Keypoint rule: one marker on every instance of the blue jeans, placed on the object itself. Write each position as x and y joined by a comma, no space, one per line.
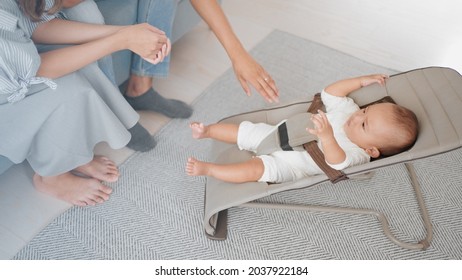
158,13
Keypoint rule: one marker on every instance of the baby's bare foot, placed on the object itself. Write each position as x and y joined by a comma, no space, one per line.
73,189
198,130
196,167
100,168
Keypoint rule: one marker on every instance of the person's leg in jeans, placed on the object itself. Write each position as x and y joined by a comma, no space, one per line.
138,89
158,13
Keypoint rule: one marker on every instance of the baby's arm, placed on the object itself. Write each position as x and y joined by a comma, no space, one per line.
333,153
344,87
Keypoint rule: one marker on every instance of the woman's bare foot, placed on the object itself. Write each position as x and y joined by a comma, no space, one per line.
196,167
100,168
73,189
199,130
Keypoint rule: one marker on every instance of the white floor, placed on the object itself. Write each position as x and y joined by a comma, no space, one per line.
398,34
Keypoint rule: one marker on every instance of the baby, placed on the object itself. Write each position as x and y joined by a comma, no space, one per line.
346,134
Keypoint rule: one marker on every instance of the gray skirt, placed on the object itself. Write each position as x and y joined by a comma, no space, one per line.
57,130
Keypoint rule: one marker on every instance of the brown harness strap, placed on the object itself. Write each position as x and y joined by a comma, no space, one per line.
318,157
316,104
316,154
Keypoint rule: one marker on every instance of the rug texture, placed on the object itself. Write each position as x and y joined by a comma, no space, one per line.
156,210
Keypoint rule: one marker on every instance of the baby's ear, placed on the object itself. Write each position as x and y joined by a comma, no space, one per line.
373,152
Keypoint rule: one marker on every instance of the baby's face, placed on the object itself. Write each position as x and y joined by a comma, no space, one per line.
369,127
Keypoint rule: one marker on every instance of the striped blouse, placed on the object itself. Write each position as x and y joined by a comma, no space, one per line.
19,59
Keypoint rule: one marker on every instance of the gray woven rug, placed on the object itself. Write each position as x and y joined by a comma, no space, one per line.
155,211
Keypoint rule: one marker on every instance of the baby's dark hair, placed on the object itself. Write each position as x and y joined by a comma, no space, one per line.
407,129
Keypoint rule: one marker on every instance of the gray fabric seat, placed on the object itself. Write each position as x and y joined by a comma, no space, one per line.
434,94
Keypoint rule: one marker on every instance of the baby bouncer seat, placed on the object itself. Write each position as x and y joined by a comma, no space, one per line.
434,94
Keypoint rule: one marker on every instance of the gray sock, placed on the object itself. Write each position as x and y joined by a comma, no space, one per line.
141,140
153,101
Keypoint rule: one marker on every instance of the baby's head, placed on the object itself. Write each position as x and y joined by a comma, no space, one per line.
382,129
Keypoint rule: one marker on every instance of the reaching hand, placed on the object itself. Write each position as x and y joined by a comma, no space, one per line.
322,128
377,78
248,71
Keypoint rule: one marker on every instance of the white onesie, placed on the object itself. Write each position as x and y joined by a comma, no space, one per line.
284,166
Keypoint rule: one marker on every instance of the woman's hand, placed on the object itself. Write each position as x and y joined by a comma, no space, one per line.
248,71
97,41
165,51
147,41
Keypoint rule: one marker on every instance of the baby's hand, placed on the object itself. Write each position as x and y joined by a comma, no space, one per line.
377,78
322,128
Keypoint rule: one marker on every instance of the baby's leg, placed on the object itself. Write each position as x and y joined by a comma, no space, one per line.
248,171
224,132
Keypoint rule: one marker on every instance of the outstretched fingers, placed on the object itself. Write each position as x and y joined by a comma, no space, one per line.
267,88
